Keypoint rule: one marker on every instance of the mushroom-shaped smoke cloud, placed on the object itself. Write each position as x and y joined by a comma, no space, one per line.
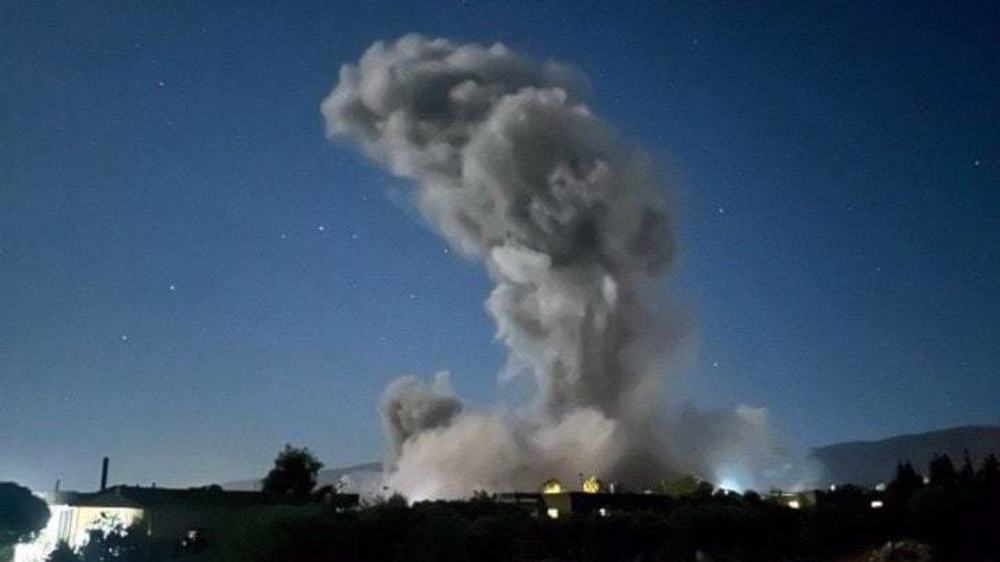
514,170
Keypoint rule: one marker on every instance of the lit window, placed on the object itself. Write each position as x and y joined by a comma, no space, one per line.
552,512
603,512
592,485
877,504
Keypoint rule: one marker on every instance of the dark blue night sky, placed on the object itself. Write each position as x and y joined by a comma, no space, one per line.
192,275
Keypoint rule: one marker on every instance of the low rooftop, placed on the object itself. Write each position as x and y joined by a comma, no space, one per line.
211,496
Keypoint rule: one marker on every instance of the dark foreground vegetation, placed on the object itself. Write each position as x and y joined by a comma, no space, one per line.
952,517
956,515
21,516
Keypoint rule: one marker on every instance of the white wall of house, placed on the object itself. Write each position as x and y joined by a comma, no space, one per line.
72,524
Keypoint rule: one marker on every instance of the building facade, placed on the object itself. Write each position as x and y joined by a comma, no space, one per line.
161,513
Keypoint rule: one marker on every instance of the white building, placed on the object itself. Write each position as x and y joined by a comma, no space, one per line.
72,517
161,513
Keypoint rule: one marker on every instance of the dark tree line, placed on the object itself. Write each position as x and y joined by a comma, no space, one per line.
958,511
953,514
956,514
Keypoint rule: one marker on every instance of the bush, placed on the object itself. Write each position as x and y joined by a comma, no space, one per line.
22,514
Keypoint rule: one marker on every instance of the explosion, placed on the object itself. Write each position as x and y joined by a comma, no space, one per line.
514,170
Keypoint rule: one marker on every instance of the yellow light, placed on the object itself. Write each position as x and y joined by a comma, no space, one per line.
592,485
552,486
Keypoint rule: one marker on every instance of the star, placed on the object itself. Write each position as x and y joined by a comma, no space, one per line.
321,228
413,296
715,364
161,84
354,236
878,269
722,210
976,162
125,337
283,236
173,287
447,250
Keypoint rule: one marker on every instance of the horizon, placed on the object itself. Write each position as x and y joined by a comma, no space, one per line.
228,483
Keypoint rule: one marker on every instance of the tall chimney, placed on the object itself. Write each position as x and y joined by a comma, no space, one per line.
104,474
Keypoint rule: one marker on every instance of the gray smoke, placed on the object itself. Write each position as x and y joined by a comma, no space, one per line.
514,170
410,406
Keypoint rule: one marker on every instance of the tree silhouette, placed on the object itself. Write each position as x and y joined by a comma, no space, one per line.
989,473
294,472
942,471
903,486
114,542
988,479
22,514
966,474
907,480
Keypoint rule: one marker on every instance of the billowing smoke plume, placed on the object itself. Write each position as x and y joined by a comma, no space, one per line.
514,170
411,407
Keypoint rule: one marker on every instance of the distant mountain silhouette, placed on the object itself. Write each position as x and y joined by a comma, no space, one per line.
864,463
869,462
350,475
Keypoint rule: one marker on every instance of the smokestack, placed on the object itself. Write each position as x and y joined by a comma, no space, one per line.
104,474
